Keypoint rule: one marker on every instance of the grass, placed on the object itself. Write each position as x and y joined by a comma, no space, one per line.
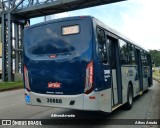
10,85
156,73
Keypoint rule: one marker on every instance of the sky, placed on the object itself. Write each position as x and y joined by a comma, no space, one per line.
138,20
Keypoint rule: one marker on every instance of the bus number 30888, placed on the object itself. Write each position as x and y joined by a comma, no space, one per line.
51,100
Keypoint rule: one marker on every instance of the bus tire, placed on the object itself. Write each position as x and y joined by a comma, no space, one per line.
129,103
146,91
149,81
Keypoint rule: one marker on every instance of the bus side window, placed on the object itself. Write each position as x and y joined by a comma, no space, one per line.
124,52
143,58
144,64
131,49
149,60
102,48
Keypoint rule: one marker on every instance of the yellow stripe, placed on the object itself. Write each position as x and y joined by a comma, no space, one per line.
117,106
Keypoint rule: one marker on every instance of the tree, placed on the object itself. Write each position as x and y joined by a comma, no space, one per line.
155,54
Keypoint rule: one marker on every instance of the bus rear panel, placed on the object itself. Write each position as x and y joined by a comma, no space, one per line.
58,64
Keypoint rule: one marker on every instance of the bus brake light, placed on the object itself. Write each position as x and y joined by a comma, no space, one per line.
89,78
82,16
26,79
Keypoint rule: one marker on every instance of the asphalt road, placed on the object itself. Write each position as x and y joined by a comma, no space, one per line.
147,106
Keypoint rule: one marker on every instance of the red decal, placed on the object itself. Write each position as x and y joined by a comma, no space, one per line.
54,85
92,97
52,56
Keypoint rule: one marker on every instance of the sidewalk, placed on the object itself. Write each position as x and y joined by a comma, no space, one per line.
154,107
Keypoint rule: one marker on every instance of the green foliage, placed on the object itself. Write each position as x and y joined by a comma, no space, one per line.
10,85
156,73
156,56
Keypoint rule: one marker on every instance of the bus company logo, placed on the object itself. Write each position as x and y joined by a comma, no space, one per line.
6,122
54,85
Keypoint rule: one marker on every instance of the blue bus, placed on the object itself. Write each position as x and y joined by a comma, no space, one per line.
80,63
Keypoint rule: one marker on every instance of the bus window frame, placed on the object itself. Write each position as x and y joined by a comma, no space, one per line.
127,61
131,46
97,43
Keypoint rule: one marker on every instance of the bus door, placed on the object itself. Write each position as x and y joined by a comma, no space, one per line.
104,71
115,70
139,64
150,83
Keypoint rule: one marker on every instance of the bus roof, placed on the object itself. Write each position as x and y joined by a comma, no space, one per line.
115,32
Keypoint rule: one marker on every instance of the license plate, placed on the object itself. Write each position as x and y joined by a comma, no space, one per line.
53,100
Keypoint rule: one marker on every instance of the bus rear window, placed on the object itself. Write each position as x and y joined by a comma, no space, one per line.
68,30
59,37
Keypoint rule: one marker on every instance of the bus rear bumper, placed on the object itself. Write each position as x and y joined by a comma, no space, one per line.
63,101
95,101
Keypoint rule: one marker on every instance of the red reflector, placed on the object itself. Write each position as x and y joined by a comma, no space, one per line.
92,97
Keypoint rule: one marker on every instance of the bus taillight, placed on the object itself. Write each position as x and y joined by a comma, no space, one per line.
26,79
89,78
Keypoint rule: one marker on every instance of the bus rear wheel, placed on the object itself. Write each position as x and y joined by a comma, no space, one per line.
146,91
129,103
